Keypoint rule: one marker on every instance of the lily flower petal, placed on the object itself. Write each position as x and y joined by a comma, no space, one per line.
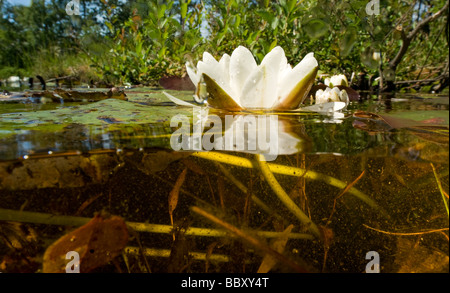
217,71
323,108
336,80
252,95
274,64
209,59
284,65
192,73
296,83
211,69
242,64
218,97
344,97
180,102
260,89
224,81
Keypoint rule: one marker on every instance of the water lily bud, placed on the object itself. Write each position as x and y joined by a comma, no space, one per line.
344,97
340,79
331,95
334,95
320,96
336,80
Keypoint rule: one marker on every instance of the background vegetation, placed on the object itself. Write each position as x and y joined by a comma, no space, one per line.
138,41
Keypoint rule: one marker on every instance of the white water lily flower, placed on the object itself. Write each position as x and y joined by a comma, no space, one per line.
236,82
336,80
331,95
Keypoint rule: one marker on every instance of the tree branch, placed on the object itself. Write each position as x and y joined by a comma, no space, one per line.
407,38
421,24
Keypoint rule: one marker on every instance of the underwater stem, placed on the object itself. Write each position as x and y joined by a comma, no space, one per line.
440,188
49,219
284,197
158,252
249,239
243,188
291,171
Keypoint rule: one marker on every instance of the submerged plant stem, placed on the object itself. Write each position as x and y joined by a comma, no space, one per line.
49,219
243,188
342,193
284,197
406,233
250,240
291,171
158,252
440,188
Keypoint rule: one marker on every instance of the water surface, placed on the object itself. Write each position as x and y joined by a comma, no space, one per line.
375,179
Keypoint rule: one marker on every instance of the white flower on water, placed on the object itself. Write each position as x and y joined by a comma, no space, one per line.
331,95
336,80
237,82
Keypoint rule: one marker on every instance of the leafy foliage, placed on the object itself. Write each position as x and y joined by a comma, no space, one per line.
150,43
140,41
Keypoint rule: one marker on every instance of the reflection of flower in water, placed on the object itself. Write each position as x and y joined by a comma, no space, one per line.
258,134
236,82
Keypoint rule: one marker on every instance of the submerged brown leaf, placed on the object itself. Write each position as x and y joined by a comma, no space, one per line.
97,242
412,257
153,162
179,259
19,246
64,170
173,196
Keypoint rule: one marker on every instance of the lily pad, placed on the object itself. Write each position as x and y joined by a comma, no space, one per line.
143,120
141,108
